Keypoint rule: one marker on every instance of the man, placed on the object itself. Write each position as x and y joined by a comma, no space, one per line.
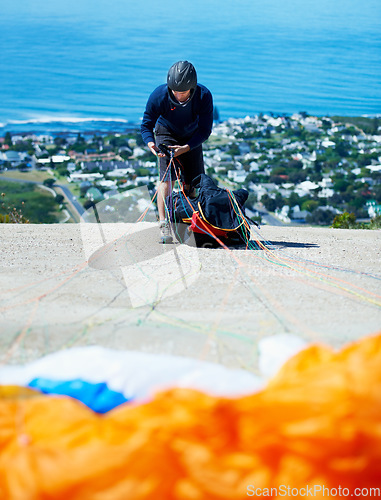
178,114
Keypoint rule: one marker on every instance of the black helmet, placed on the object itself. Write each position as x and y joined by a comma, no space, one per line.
182,76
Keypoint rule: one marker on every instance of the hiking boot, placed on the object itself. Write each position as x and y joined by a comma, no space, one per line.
165,232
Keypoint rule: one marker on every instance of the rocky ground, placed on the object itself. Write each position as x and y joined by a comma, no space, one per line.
114,285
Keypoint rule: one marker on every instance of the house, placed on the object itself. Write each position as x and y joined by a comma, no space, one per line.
283,214
285,192
374,168
326,182
121,172
326,193
12,157
374,208
94,194
356,171
298,215
305,188
244,148
139,152
222,157
326,143
254,166
104,166
53,159
107,184
84,186
237,175
80,176
258,189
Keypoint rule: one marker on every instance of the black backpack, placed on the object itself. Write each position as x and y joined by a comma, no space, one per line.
215,214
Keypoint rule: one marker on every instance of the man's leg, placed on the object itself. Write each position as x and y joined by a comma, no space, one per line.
193,165
162,193
165,228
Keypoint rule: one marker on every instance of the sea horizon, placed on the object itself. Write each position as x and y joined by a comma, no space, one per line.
74,125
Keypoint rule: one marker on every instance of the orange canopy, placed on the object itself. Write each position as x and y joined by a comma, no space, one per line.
318,422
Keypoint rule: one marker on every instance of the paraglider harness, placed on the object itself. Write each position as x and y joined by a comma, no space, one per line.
215,216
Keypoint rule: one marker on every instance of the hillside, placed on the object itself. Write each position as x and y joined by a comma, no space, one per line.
305,168
62,286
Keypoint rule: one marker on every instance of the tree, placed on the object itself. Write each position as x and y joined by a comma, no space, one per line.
59,141
377,193
294,199
310,205
142,172
252,177
297,176
88,204
295,164
251,200
8,139
344,221
342,148
234,150
62,170
326,124
279,171
320,216
49,182
269,203
139,141
279,200
341,185
59,199
80,139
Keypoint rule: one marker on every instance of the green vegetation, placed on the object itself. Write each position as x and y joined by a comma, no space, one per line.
367,125
29,202
375,223
345,221
9,214
49,182
32,175
348,221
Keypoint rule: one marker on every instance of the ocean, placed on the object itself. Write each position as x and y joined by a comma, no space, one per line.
91,64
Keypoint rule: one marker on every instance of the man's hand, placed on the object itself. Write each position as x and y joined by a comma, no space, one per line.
179,150
154,149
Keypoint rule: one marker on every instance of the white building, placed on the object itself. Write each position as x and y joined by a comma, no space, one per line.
53,159
79,176
237,175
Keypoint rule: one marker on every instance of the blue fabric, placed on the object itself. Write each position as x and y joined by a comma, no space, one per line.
193,120
98,397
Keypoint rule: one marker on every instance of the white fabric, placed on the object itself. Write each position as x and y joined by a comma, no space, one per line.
136,375
274,351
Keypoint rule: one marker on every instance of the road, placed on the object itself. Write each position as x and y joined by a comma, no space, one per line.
267,218
73,200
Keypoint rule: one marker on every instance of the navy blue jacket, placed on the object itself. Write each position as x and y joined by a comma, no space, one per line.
192,121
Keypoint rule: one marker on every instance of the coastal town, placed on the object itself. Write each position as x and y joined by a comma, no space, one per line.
298,169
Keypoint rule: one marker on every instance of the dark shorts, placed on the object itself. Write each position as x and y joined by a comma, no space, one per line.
189,165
